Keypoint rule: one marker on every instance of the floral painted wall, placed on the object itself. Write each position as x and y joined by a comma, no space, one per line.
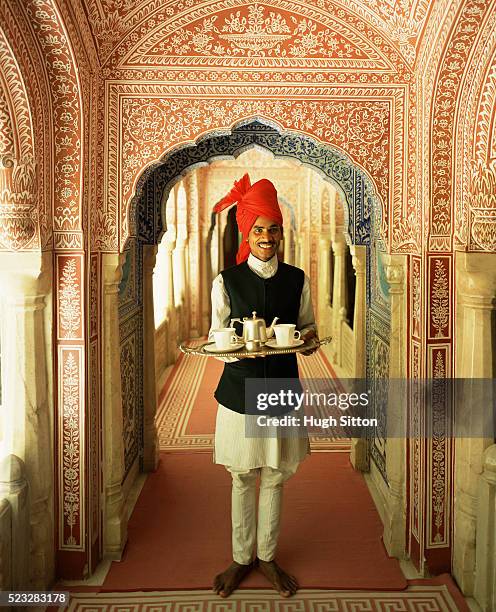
98,95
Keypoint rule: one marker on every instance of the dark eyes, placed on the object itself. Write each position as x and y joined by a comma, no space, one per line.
271,230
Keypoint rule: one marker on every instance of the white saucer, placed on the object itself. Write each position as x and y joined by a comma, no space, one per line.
273,344
211,348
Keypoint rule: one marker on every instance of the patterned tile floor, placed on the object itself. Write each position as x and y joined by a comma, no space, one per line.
415,599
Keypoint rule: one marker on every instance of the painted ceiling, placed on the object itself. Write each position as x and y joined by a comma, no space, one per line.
361,35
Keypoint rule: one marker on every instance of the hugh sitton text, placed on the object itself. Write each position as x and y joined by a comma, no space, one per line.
311,421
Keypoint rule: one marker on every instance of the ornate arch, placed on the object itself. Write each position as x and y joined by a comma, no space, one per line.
435,34
449,82
362,210
60,66
363,131
475,194
19,227
359,193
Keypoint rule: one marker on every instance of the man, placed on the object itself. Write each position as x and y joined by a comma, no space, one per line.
258,283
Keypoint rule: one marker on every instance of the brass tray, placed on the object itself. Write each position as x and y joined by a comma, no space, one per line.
200,350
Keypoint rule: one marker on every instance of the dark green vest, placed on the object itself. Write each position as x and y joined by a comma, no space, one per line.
278,296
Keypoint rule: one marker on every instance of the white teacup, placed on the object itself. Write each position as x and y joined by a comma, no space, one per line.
286,334
224,337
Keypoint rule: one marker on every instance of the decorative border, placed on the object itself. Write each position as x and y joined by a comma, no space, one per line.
69,297
416,298
131,104
72,447
117,33
131,338
19,222
440,297
359,194
71,476
439,436
443,124
65,90
95,429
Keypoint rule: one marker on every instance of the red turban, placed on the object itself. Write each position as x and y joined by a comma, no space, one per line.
257,200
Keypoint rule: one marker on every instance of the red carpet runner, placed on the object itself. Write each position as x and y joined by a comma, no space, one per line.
179,533
187,408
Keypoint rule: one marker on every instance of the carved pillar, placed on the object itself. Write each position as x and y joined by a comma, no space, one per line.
221,228
160,281
170,244
115,523
359,451
324,288
485,577
298,255
180,286
194,280
206,281
395,519
180,276
476,282
287,245
14,489
25,280
359,264
169,270
150,450
339,298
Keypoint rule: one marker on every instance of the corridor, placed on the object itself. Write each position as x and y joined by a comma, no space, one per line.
179,531
369,127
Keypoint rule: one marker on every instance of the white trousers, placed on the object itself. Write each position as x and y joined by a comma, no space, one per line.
247,530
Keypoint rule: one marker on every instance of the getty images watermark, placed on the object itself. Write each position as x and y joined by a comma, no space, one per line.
360,408
296,402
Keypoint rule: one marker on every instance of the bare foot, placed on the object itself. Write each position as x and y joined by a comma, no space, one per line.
226,582
284,584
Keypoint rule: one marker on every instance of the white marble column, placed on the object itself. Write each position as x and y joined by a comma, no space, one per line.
485,575
205,280
115,523
298,255
150,451
324,287
339,298
14,490
220,229
169,271
170,245
193,255
395,519
180,267
359,448
476,306
359,316
27,409
287,245
180,286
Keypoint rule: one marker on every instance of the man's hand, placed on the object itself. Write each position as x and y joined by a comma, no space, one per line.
308,336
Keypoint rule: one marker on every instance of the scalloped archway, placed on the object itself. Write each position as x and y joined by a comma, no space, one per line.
363,216
364,208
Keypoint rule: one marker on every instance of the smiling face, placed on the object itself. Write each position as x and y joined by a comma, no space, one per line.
264,238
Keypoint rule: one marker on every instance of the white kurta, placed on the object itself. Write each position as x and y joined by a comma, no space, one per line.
232,447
